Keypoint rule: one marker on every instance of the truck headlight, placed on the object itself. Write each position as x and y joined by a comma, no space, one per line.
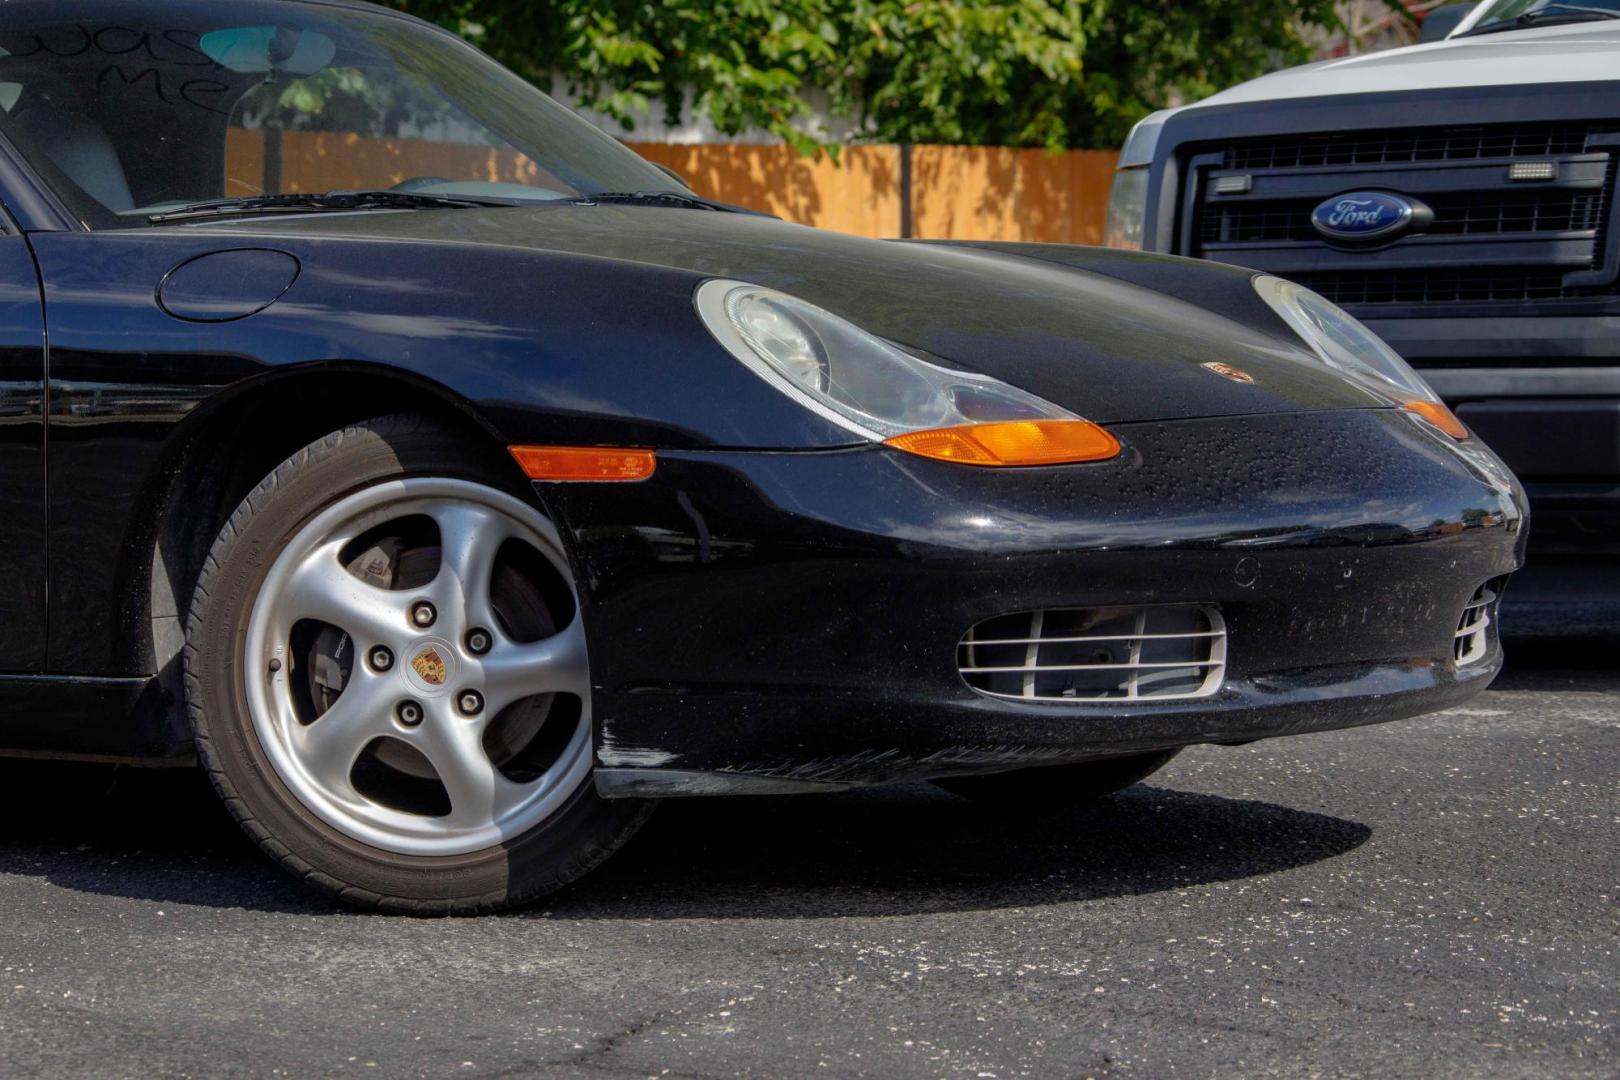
1127,208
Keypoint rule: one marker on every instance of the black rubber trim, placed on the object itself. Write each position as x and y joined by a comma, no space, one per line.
29,204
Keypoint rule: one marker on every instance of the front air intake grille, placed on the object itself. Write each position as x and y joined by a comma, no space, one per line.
1456,286
1491,238
1469,213
1404,145
1473,629
1097,654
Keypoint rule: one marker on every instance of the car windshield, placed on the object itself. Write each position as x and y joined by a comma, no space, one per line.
1524,14
131,110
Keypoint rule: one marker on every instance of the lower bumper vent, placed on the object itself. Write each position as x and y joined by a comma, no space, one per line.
1473,638
1155,653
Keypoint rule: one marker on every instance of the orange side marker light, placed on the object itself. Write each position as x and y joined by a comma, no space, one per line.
1440,416
1012,442
589,463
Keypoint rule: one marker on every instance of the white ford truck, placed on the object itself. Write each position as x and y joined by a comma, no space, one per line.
1458,197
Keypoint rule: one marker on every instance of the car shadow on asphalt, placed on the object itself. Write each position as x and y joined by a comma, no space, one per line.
160,835
1551,663
914,849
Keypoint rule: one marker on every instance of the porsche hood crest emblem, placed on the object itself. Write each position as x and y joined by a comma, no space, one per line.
429,666
1229,372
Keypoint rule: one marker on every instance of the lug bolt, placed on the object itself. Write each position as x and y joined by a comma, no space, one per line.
381,659
409,713
423,614
478,641
470,702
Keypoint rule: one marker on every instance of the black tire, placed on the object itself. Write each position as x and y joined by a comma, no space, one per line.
1059,785
577,837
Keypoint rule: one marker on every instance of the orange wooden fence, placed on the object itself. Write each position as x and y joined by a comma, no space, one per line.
859,194
957,192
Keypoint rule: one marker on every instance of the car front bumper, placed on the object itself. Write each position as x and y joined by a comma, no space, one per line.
789,621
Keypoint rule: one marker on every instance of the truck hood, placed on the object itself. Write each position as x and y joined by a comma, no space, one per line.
1099,343
1579,52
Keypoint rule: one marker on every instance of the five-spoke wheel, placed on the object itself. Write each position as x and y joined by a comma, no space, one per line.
427,703
389,677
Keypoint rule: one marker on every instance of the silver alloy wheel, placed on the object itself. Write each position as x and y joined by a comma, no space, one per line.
431,666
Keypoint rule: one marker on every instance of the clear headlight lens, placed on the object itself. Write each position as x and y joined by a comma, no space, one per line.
1341,341
1347,346
772,330
1127,208
884,394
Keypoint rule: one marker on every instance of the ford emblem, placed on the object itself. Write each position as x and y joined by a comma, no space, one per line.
1359,216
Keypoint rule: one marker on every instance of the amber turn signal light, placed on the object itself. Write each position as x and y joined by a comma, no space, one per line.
1012,442
583,462
1440,416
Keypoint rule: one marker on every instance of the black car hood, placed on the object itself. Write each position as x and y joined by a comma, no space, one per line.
1106,348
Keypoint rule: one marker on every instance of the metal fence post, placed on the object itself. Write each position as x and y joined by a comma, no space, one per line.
905,191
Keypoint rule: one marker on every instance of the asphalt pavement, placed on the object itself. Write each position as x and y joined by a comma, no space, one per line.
1435,898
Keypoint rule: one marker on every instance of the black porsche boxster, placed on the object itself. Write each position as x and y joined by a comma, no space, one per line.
453,483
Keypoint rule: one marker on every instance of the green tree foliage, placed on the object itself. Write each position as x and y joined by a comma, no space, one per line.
1053,73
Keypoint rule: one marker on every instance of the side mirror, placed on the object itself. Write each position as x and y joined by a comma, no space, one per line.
1441,21
260,50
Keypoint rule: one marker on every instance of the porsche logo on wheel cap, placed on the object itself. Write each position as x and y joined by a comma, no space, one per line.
1229,372
430,667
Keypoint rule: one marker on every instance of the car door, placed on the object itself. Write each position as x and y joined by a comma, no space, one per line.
23,599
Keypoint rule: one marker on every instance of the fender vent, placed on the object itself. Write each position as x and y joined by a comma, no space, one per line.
1155,653
1473,638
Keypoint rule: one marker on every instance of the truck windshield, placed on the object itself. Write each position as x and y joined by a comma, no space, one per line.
1524,14
130,110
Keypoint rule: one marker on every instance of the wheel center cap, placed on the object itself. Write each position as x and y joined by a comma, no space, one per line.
431,666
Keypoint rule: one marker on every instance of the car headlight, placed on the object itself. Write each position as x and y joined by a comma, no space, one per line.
881,393
1127,208
1347,346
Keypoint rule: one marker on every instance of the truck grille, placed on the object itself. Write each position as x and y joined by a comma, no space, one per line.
1458,286
1097,654
1493,239
1469,213
1402,145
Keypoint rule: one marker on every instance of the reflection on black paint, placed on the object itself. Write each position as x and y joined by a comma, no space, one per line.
22,463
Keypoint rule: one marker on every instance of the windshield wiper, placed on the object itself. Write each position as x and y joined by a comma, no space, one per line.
656,198
321,202
1548,15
